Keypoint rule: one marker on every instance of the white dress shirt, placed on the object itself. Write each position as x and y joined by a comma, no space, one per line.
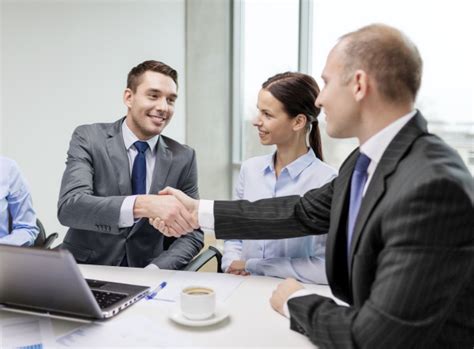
375,146
301,258
126,218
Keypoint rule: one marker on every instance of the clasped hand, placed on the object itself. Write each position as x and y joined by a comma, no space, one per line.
181,216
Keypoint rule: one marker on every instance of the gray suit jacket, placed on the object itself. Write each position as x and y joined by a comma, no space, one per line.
94,185
411,278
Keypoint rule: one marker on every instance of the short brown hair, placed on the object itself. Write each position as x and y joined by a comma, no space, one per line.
134,77
389,55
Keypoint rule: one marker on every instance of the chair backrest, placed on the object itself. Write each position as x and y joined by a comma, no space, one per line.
41,238
201,259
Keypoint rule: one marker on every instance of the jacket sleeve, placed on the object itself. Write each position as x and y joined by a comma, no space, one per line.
275,218
233,248
427,249
78,207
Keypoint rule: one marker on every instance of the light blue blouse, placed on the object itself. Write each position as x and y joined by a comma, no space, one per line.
15,198
301,258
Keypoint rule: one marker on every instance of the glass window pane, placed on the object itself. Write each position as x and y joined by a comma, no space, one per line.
442,31
269,46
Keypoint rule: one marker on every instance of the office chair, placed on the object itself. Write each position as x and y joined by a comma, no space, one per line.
200,260
41,240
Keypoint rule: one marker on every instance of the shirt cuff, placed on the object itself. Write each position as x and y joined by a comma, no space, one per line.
251,266
126,218
152,267
299,293
206,214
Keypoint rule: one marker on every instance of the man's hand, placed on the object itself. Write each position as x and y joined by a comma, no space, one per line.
237,267
170,211
282,292
190,204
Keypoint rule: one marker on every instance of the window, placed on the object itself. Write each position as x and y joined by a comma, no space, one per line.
272,36
266,42
441,30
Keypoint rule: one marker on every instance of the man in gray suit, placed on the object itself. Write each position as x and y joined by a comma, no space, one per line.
114,172
399,217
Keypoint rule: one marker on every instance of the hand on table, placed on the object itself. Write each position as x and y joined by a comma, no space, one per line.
283,292
237,267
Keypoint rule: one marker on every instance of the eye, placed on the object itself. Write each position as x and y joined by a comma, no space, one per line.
153,97
171,101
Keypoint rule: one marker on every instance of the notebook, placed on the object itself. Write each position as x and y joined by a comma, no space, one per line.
49,282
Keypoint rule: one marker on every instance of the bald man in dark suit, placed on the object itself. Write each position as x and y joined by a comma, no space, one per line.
399,217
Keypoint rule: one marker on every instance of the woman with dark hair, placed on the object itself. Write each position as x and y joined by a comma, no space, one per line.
287,117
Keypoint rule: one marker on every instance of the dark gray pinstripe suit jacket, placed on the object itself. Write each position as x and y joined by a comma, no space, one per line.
411,279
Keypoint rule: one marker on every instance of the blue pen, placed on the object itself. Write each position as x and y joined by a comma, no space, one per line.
152,294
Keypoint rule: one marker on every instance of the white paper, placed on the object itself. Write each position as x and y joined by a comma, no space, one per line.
26,332
131,331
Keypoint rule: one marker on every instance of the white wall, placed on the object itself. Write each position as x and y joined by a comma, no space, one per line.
64,63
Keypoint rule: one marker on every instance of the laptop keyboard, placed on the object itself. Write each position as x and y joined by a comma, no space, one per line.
106,299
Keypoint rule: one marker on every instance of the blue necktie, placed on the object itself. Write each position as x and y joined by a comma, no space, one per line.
139,169
138,178
359,178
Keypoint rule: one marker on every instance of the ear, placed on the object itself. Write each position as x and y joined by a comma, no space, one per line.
128,97
299,122
360,85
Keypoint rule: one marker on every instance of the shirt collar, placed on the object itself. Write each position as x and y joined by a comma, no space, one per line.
294,168
268,163
129,138
375,146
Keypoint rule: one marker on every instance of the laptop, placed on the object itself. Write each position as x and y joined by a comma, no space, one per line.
49,282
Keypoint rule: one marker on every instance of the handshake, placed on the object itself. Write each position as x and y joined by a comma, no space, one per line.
172,212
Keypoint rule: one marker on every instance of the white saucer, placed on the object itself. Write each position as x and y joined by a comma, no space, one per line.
221,313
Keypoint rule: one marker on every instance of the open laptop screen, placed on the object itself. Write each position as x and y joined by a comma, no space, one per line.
49,281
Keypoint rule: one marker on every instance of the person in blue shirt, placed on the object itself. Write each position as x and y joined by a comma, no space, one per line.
287,116
15,202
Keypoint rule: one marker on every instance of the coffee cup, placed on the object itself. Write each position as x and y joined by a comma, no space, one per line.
198,302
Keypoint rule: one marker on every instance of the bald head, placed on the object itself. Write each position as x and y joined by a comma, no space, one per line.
386,54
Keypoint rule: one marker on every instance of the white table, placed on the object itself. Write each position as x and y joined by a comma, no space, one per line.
252,321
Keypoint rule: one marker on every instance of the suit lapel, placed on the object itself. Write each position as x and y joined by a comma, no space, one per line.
164,159
335,245
338,209
387,165
118,156
340,196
